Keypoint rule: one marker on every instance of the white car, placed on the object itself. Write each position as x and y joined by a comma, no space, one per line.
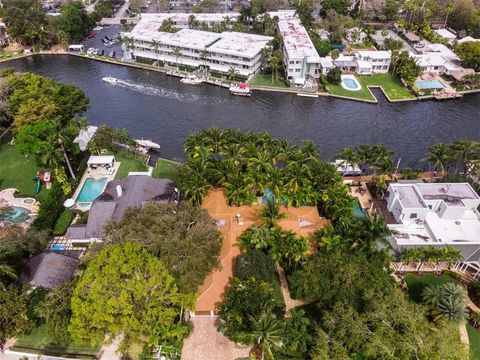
90,51
98,28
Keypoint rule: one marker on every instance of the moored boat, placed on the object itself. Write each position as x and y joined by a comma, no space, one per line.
241,90
191,80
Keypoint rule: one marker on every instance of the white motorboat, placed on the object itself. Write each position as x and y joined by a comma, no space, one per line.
110,80
241,90
191,80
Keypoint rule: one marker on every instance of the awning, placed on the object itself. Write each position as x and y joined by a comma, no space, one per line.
101,160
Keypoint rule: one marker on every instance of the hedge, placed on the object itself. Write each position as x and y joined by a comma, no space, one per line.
63,223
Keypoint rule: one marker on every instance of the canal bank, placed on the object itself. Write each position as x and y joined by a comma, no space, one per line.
158,107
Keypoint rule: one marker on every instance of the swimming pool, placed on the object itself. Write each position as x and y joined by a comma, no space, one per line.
91,189
349,82
58,247
358,212
430,84
16,214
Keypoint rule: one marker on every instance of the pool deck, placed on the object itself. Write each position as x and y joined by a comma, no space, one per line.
7,198
364,197
96,174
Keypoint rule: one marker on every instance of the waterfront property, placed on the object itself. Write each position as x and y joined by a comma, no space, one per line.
232,221
446,34
363,62
118,195
20,211
197,49
184,20
300,58
435,214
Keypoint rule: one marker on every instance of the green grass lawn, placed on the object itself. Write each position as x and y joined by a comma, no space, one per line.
363,94
266,80
392,87
416,283
390,84
129,162
16,170
474,336
167,169
37,341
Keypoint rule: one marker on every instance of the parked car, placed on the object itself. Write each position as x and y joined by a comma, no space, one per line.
419,45
96,52
91,34
90,51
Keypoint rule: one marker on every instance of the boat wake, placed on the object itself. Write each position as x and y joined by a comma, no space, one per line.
167,93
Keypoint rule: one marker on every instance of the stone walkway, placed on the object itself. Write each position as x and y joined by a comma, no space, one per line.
206,342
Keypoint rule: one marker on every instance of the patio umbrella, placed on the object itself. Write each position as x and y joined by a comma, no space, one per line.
69,203
147,144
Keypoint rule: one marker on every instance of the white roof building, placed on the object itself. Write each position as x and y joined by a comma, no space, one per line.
151,22
435,214
447,35
467,39
225,50
438,59
301,59
364,62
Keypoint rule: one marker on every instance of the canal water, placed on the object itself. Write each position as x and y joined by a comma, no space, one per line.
157,107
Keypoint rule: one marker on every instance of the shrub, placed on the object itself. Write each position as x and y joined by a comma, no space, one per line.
82,217
50,209
257,264
63,223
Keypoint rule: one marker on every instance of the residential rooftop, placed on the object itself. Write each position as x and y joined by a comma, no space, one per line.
296,41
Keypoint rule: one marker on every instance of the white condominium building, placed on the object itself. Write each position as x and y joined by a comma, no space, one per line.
183,20
194,48
435,214
300,57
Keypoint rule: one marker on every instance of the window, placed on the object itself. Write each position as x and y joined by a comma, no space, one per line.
297,70
291,62
413,215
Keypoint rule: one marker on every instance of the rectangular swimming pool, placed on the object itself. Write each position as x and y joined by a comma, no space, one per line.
91,189
430,84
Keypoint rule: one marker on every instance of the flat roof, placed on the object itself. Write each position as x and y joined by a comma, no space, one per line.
445,34
408,196
151,22
443,50
296,41
99,160
451,193
240,44
375,54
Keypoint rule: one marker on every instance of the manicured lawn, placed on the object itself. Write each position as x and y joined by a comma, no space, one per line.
37,341
363,93
168,170
129,162
392,87
390,84
416,283
16,170
474,336
266,80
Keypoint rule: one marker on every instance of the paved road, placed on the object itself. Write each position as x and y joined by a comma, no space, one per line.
112,32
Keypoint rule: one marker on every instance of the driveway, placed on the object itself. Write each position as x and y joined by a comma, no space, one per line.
206,342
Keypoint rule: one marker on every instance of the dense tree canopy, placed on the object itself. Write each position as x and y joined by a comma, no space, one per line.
74,21
13,310
470,53
124,289
184,237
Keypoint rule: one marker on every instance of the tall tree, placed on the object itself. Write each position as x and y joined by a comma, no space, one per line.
125,290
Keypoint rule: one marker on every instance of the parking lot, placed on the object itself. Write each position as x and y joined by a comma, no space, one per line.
112,32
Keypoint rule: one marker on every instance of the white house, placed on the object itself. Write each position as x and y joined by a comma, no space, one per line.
363,62
435,214
446,34
196,48
300,56
183,20
438,59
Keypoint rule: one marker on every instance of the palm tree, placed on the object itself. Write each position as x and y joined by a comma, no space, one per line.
270,213
439,156
267,334
452,309
177,53
205,56
60,138
464,151
156,47
274,64
349,156
432,296
6,271
232,73
335,54
475,317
